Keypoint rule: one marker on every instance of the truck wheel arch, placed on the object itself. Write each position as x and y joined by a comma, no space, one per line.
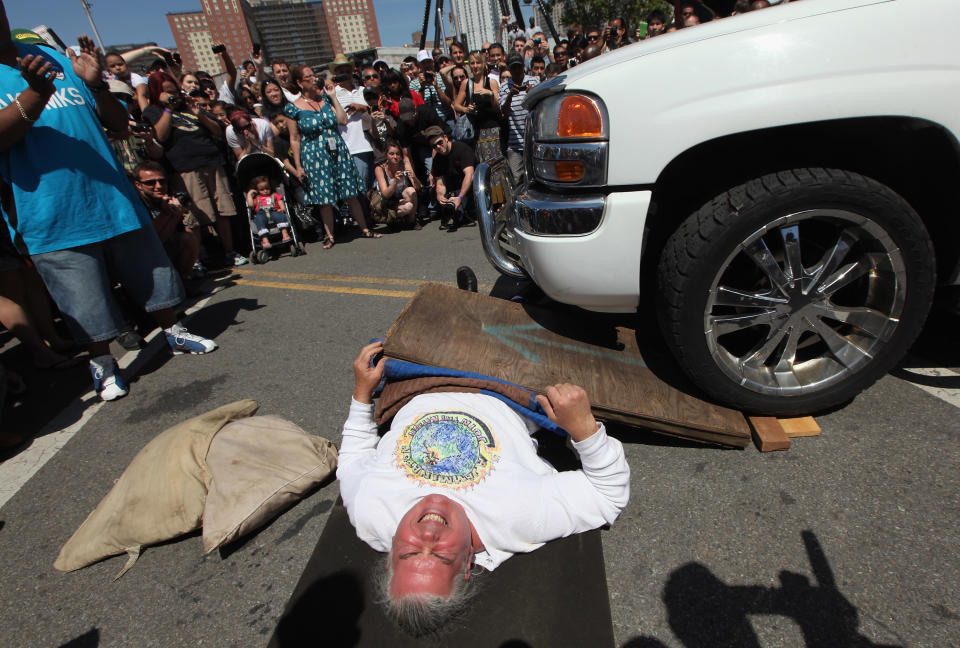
917,158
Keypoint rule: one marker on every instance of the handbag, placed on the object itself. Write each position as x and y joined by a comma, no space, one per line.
463,130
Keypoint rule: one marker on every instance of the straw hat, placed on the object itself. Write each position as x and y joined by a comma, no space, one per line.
340,60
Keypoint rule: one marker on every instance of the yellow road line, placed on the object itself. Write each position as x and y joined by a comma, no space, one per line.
330,277
349,290
390,281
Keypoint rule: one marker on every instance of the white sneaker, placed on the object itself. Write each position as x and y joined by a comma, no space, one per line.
107,381
183,341
238,260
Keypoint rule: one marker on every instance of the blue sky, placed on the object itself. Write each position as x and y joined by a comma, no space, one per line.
134,21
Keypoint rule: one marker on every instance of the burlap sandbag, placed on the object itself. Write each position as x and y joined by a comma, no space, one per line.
259,467
160,495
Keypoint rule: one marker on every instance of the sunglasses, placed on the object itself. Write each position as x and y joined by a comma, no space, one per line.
438,144
371,76
153,181
687,13
459,78
593,37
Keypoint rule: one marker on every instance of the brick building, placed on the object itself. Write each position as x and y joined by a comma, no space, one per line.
352,25
220,21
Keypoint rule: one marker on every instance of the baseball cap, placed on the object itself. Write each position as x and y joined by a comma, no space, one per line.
406,109
432,131
423,55
514,59
27,37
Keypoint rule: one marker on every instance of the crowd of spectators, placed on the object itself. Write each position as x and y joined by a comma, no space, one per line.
359,147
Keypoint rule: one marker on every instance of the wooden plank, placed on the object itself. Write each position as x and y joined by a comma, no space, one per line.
534,347
767,434
805,426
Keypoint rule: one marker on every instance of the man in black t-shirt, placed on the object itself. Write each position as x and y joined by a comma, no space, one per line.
453,165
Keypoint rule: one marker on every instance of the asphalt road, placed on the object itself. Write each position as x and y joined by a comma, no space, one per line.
850,538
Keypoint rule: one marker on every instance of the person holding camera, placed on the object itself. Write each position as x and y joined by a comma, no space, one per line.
511,105
397,186
431,87
615,34
175,225
248,134
187,134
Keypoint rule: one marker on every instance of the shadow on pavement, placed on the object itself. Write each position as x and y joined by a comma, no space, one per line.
333,603
704,611
90,639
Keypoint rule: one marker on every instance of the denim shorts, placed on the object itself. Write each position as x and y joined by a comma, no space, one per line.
80,280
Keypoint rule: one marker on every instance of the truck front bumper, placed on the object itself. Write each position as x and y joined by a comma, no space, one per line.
579,249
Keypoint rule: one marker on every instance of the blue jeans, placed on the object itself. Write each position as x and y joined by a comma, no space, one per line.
425,153
80,280
263,217
364,164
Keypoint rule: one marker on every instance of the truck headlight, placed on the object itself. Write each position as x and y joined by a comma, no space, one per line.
569,146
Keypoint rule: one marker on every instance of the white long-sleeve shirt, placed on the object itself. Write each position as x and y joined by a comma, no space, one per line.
478,452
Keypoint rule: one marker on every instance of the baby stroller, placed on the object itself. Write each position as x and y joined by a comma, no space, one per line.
261,164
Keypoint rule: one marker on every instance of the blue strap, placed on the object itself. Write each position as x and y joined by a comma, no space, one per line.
402,370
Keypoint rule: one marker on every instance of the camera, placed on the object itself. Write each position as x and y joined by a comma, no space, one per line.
183,197
140,127
177,59
176,102
219,49
256,49
167,58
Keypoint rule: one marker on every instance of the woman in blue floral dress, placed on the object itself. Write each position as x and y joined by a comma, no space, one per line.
321,158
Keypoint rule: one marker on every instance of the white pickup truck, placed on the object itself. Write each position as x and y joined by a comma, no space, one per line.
783,188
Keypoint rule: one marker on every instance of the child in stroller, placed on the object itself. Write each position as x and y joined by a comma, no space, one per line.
268,206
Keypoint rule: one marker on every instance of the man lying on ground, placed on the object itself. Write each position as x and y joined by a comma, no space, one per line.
457,481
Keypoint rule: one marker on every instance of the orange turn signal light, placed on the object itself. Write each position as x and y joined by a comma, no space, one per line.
568,170
579,117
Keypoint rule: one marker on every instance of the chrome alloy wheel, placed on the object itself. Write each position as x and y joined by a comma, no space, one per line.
805,302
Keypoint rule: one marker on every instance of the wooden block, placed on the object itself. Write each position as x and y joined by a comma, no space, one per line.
535,347
767,434
804,426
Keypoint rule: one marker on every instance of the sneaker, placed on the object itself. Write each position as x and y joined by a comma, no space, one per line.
183,341
198,271
130,340
107,381
236,260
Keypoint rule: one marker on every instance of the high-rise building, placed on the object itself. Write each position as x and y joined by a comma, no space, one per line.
352,25
221,21
293,30
478,19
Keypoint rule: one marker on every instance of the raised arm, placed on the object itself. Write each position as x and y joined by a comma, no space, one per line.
337,108
229,68
88,65
19,115
360,430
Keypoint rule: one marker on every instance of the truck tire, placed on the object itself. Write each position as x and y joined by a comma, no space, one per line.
795,291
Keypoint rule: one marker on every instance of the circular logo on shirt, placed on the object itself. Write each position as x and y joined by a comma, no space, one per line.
451,449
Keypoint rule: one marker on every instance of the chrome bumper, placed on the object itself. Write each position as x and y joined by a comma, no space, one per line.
532,213
494,230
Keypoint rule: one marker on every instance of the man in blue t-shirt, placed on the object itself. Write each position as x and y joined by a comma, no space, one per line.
73,210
